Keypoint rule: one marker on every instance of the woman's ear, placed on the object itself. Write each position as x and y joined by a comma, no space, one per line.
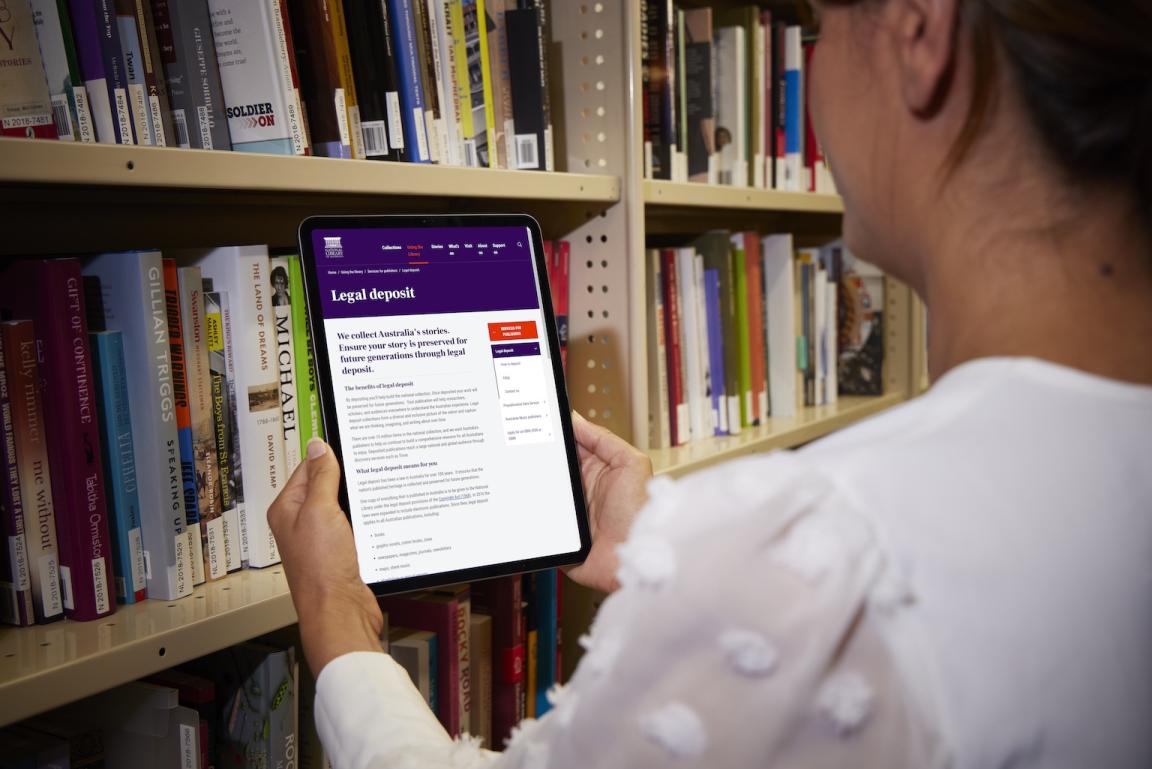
926,39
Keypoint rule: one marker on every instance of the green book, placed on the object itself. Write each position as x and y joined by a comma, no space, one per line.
743,331
310,423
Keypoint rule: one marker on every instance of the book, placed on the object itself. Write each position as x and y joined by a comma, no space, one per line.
250,43
111,51
199,694
530,619
285,360
119,465
860,369
347,78
748,408
718,396
144,726
658,425
793,111
699,108
132,60
410,82
547,642
184,33
223,422
526,80
131,291
70,109
206,462
658,83
183,416
716,248
50,293
499,81
25,387
25,101
750,77
471,60
695,363
805,351
501,599
480,650
159,108
544,31
373,68
242,271
309,419
433,120
228,326
678,416
415,651
321,81
440,19
16,599
444,613
731,101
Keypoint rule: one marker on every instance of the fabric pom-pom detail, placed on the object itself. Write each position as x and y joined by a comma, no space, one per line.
676,728
600,652
466,751
647,562
846,700
563,702
521,732
749,653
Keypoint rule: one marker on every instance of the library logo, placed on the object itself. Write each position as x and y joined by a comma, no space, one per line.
333,248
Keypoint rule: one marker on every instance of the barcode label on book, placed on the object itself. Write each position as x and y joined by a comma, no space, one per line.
375,133
342,118
189,747
123,115
100,587
205,126
83,115
62,117
139,96
136,552
18,558
66,582
527,151
549,156
197,550
182,566
217,559
432,126
470,153
181,122
421,134
231,529
395,122
242,514
50,599
356,133
158,137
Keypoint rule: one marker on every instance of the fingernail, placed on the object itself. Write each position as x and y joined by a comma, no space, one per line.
577,415
316,448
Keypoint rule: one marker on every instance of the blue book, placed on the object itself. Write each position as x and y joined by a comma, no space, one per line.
411,85
793,110
546,640
715,350
119,465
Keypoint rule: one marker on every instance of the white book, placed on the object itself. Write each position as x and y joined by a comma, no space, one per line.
242,271
132,287
779,293
263,113
194,324
285,359
730,97
658,416
412,650
237,545
760,120
698,404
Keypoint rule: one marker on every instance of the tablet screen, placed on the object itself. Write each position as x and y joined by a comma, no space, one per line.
441,379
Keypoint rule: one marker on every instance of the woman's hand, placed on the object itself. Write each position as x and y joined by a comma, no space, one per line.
338,613
615,475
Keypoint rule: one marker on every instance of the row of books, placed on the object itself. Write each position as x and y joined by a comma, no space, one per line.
483,657
743,327
724,98
458,82
152,408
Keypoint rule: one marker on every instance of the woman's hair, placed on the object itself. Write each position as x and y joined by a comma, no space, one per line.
1084,72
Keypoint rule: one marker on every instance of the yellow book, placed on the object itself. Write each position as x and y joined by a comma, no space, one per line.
486,69
347,82
461,47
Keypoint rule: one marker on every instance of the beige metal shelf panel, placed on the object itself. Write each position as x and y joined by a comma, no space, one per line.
25,161
692,195
780,432
47,666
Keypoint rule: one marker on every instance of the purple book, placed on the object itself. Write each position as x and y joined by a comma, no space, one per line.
715,349
50,292
102,67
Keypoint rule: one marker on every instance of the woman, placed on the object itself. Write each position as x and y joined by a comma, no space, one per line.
962,581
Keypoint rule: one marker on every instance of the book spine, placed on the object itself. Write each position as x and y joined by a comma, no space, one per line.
117,80
678,411
698,89
314,48
657,355
119,466
348,92
463,673
128,32
793,111
366,38
195,47
174,76
25,100
433,124
86,35
292,95
183,415
465,37
410,84
391,80
441,11
194,327
16,606
222,418
498,96
528,116
228,327
132,290
282,302
689,334
32,460
756,326
310,422
65,86
715,350
704,372
544,39
743,331
159,108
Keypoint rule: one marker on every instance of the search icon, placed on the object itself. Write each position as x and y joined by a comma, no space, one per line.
519,244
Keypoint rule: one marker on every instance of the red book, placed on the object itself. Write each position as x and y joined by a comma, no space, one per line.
812,153
677,408
445,613
50,292
501,598
757,324
294,94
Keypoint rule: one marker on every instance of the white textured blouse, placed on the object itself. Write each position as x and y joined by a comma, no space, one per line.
964,581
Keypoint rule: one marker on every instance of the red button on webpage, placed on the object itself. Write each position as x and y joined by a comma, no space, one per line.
502,332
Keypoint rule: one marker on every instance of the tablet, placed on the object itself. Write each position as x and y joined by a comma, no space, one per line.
443,396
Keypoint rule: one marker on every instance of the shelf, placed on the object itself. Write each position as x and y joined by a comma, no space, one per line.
46,666
779,433
691,195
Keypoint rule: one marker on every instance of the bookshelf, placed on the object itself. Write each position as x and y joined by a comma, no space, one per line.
63,198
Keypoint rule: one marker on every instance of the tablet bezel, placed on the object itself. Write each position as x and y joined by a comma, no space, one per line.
328,405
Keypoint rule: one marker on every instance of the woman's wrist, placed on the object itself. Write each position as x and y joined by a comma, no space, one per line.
338,620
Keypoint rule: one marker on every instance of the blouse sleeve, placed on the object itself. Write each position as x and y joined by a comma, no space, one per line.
748,631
